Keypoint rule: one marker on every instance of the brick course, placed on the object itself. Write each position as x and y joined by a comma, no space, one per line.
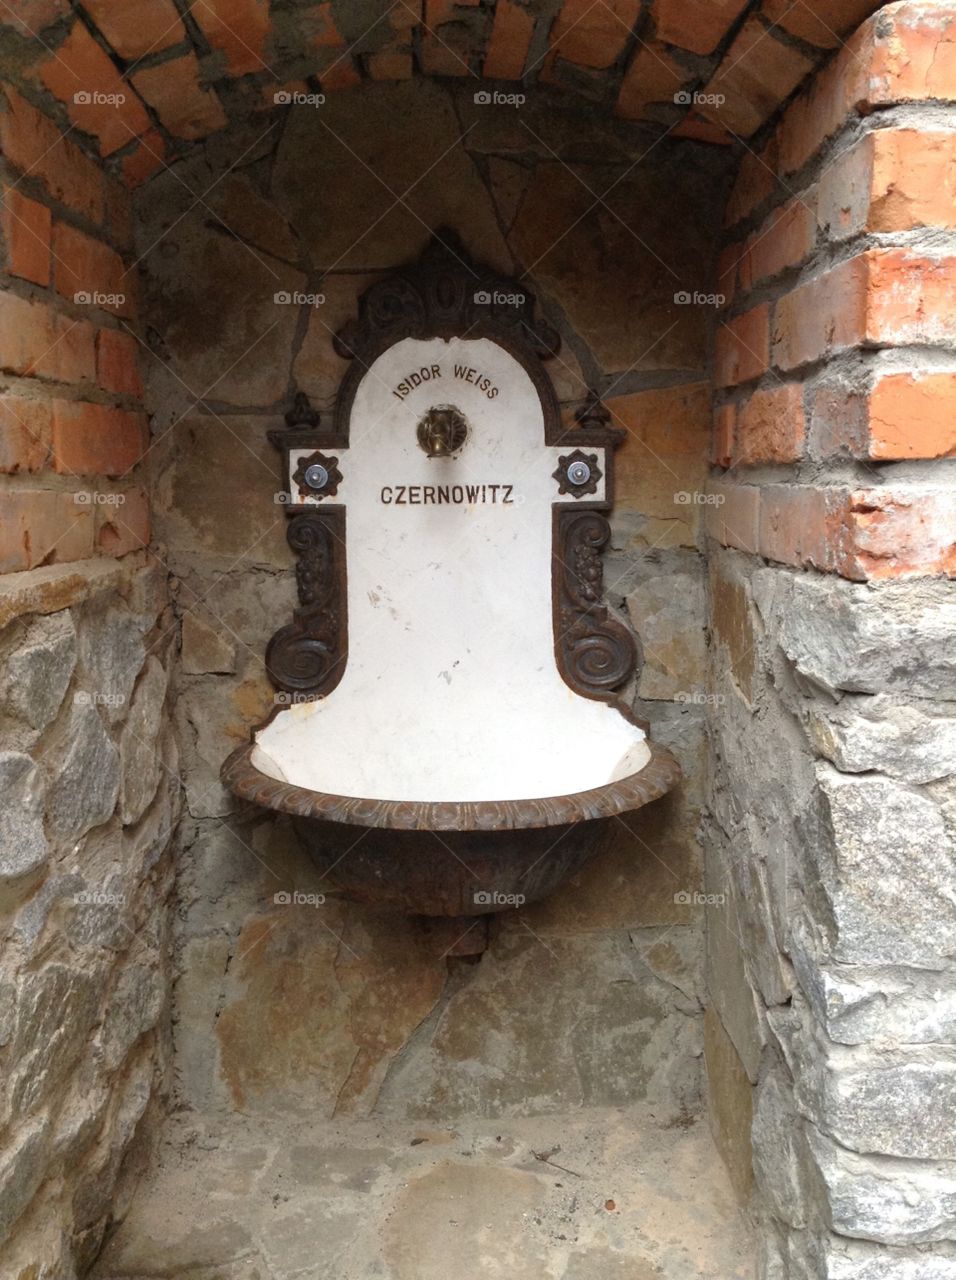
26,233
136,30
96,97
95,439
26,433
89,272
33,143
830,324
237,28
174,91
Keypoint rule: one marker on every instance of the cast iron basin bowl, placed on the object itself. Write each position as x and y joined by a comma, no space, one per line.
450,858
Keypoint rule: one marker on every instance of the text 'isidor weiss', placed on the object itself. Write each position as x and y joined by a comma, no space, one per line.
415,495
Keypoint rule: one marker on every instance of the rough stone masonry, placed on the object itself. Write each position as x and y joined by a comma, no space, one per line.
790,914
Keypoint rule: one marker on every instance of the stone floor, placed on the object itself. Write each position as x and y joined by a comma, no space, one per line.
596,1195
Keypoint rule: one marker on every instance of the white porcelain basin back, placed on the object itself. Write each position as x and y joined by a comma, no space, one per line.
451,691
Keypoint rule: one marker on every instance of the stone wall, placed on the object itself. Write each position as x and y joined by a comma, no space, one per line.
88,769
830,969
593,996
818,647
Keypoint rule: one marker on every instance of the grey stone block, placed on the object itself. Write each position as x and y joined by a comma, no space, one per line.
844,636
884,1200
87,779
140,746
886,866
855,1004
37,674
884,1101
22,1168
781,1155
111,657
877,734
23,846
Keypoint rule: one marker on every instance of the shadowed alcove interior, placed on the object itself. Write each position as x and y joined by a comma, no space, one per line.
708,1052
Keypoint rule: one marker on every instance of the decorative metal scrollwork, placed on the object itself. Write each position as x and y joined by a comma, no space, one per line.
595,653
308,656
445,294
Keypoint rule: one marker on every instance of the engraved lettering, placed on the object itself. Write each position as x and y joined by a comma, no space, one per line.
430,495
427,373
465,373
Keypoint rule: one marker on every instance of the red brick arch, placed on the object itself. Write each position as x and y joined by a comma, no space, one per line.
710,69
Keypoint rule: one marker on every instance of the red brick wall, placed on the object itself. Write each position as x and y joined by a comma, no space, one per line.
73,433
836,359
